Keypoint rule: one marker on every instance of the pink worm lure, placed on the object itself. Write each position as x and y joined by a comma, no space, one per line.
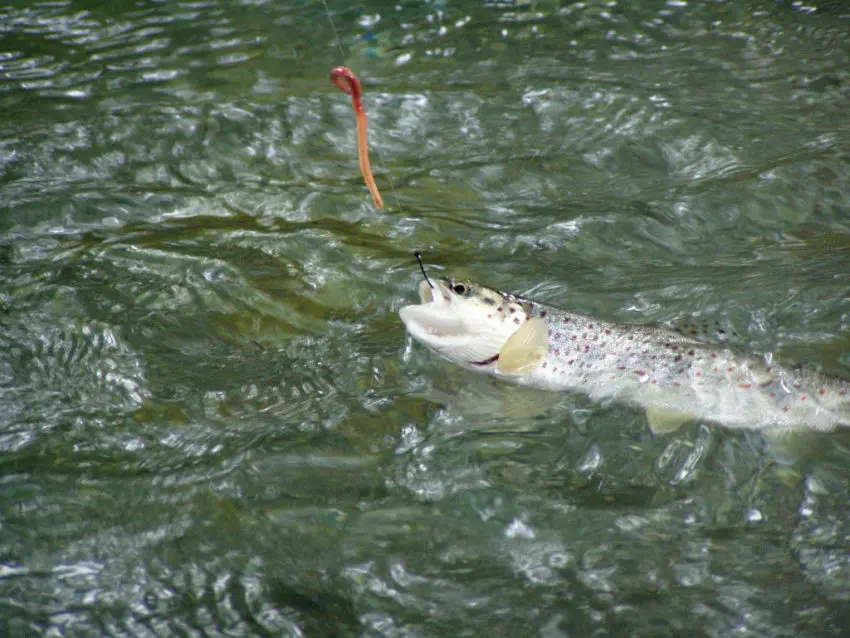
347,82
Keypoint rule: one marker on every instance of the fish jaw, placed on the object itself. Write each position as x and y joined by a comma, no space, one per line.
433,322
460,328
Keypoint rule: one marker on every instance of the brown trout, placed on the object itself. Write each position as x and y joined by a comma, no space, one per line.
673,376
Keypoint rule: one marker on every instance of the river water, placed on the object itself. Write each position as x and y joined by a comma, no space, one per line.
212,422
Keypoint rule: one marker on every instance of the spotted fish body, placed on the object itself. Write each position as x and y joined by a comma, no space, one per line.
674,376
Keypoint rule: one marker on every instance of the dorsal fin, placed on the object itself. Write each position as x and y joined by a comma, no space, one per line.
526,349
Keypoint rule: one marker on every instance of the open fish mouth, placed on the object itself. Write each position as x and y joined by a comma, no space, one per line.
426,294
480,330
434,316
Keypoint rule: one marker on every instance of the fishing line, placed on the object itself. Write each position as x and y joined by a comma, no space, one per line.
333,28
418,256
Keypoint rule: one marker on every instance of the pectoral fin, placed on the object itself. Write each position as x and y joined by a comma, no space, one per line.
526,349
666,421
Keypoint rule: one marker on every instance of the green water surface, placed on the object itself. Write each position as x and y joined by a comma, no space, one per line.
212,422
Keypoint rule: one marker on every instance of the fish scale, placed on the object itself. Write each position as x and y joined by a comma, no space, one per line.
654,366
659,369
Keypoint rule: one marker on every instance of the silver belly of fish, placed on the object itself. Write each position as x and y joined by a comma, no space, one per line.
674,377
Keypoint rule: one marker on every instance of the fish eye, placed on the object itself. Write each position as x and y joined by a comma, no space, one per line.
461,289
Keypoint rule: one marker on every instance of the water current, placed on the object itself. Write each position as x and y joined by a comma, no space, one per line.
212,422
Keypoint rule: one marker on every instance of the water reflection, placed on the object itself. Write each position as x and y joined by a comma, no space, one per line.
211,419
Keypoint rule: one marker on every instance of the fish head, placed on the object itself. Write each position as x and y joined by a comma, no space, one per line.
464,322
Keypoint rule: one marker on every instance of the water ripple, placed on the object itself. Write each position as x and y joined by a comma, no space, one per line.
212,421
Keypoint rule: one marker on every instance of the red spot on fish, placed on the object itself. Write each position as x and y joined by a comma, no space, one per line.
821,392
713,355
621,368
654,382
699,374
691,352
489,316
512,310
676,384
640,373
714,369
745,386
730,369
570,362
586,348
573,338
607,332
773,395
803,398
556,352
678,357
499,309
693,332
797,385
542,314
